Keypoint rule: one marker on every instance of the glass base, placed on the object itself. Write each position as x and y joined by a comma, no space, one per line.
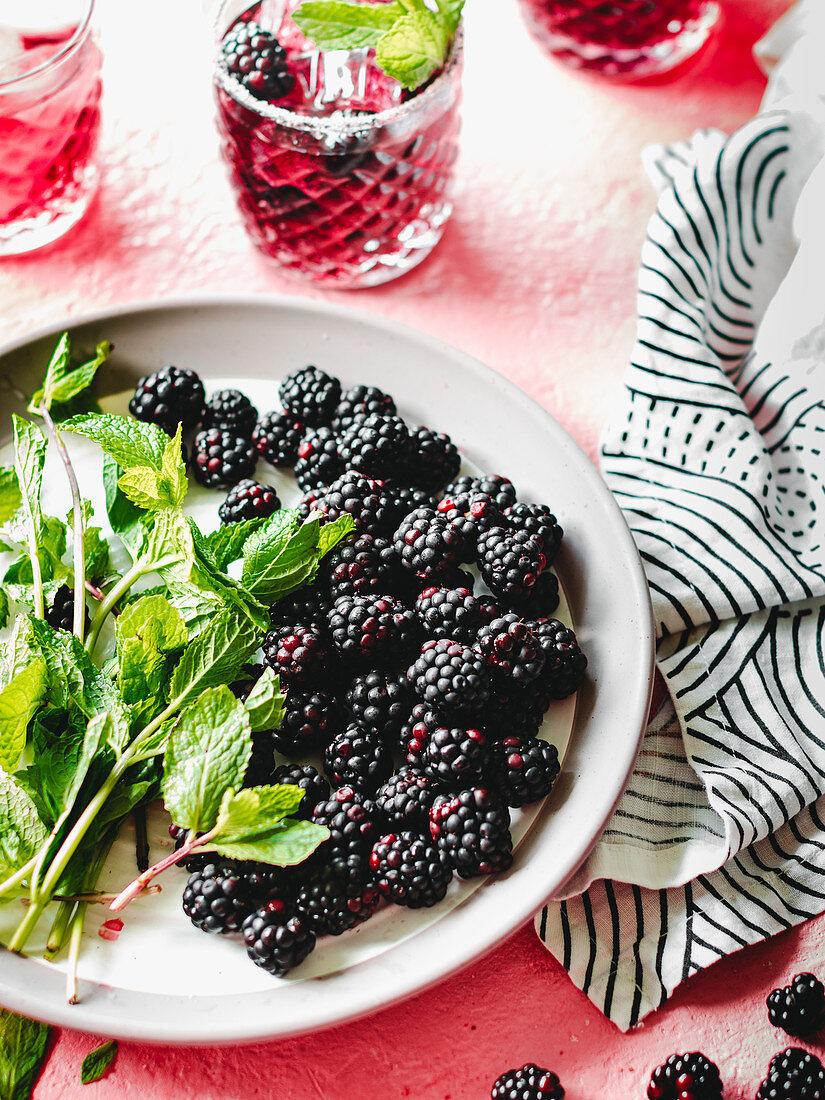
53,222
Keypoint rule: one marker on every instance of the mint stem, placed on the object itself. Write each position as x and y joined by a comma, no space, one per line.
75,937
19,877
138,570
60,928
26,926
143,880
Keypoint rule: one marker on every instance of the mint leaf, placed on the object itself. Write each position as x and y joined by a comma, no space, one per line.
227,543
23,1047
206,575
97,1062
10,498
331,534
215,657
124,517
252,824
343,25
414,49
57,369
129,442
265,545
64,382
149,632
449,12
282,557
154,621
173,471
29,458
4,609
22,832
97,563
207,753
142,485
18,702
265,703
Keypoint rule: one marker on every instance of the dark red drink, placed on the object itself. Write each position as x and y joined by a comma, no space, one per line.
344,180
624,37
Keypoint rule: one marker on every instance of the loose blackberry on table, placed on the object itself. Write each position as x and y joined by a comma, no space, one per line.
169,397
258,61
358,758
310,395
409,870
403,499
510,650
515,712
372,628
232,411
565,664
359,402
247,500
221,459
798,1008
309,779
318,462
277,938
472,831
522,769
510,562
455,756
311,720
531,1082
685,1077
380,701
450,677
405,799
416,733
454,613
366,565
793,1074
378,446
277,437
299,654
536,519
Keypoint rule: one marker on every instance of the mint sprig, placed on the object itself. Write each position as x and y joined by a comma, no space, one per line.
411,40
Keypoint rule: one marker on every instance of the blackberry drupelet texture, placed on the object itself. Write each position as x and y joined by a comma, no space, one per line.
277,437
333,904
221,459
218,898
522,770
427,543
405,799
515,712
510,562
478,510
311,720
454,613
299,654
365,566
374,628
357,496
309,605
685,1077
531,1082
277,939
455,757
352,820
358,758
169,397
540,602
450,677
793,1074
798,1008
249,499
536,519
318,463
359,402
258,61
231,411
311,782
472,831
565,665
501,489
380,701
310,395
409,870
416,733
510,651
435,459
403,499
378,446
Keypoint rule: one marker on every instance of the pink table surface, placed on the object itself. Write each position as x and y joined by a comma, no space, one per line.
535,276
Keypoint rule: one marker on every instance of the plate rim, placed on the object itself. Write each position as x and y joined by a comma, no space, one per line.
97,1018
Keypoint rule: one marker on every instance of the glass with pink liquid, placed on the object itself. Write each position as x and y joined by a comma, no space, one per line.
49,120
344,180
630,38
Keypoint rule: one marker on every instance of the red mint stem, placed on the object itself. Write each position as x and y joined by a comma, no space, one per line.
143,880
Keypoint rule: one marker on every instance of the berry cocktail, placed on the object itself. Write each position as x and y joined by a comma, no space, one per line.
341,174
49,125
632,38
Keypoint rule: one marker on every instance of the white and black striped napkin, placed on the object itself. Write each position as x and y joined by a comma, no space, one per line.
717,458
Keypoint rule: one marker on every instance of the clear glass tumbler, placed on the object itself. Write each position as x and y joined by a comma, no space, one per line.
630,38
49,121
334,191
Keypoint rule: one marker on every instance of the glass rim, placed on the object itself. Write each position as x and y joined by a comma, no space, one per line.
334,126
68,46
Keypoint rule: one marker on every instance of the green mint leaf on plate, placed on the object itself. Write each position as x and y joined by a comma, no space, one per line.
214,657
129,442
265,703
153,620
65,747
22,832
282,556
23,1047
10,498
344,24
18,702
4,609
124,516
226,544
207,754
149,633
29,459
253,824
66,380
97,1062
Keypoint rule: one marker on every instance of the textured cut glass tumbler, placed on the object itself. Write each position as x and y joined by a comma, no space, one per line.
630,38
349,198
49,122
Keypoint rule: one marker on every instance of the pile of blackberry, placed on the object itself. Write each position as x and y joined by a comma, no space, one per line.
416,688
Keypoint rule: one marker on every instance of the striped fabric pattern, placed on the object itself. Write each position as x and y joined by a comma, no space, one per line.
716,458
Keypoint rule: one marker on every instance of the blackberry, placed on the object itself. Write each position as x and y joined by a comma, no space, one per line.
405,799
499,488
372,627
277,939
435,459
510,651
454,613
258,61
450,677
793,1075
298,654
380,701
427,543
798,1008
358,758
308,605
218,898
310,395
249,500
416,733
358,403
169,397
60,616
352,822
531,1082
261,761
333,904
472,830
455,757
362,567
221,459
541,601
277,437
379,446
317,463
478,510
522,770
309,779
536,519
357,496
515,711
311,720
231,411
510,562
409,870
685,1077
403,499
565,664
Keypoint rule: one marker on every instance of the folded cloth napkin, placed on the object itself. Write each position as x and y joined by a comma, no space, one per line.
716,458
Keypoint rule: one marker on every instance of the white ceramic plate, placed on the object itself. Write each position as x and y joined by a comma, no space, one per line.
163,981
